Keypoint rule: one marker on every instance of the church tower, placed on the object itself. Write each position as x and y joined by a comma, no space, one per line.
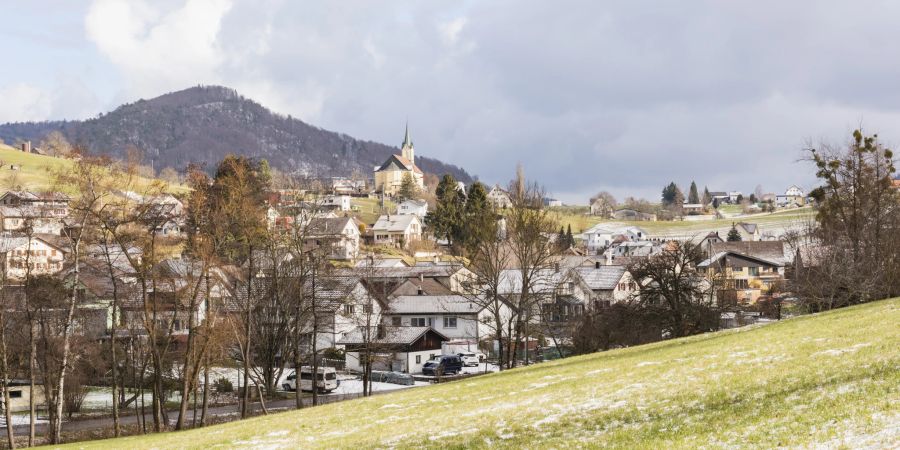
406,149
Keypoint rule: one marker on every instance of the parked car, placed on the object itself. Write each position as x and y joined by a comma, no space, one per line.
326,381
443,365
471,358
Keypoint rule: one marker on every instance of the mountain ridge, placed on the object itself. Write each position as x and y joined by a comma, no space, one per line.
202,124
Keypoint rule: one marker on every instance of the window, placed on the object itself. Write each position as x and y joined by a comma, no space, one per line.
418,359
449,322
417,322
349,309
15,394
396,321
754,271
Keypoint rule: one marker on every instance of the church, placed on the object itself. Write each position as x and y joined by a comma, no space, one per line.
389,176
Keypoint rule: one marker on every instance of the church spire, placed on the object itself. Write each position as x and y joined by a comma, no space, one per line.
406,149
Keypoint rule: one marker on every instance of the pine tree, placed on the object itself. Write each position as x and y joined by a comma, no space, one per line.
447,218
707,198
478,213
569,237
408,188
693,196
561,240
733,234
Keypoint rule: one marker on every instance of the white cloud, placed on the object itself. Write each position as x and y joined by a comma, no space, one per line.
159,50
22,102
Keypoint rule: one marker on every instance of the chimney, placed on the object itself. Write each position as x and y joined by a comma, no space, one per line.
420,291
421,278
609,258
596,264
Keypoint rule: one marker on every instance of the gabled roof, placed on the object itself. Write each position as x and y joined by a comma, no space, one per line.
395,222
543,281
772,251
414,202
398,161
390,335
432,304
721,255
328,226
748,227
602,278
30,196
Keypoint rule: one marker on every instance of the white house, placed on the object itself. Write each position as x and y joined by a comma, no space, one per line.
601,236
793,196
415,207
455,316
336,202
608,284
399,349
41,254
499,198
43,212
340,233
397,230
733,196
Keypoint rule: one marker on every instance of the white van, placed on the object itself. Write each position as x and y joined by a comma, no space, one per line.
326,381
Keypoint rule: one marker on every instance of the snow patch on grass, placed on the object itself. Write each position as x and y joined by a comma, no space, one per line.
841,351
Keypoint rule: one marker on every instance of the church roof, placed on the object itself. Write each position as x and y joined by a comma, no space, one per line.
400,162
407,142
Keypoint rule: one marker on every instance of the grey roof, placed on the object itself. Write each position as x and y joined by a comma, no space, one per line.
544,280
391,335
748,227
602,278
327,226
718,256
439,271
415,304
394,222
772,251
8,242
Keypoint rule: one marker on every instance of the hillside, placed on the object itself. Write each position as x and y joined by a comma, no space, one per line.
36,172
203,124
831,380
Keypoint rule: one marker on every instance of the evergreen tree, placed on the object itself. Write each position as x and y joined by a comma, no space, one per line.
479,214
707,198
447,218
561,240
733,234
693,196
569,237
408,188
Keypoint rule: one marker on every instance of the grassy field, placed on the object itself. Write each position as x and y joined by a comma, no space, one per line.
37,172
774,221
370,208
827,381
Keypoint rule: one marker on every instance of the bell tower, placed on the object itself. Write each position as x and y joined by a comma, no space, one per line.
406,149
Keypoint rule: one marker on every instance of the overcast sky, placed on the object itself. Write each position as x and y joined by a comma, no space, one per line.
588,96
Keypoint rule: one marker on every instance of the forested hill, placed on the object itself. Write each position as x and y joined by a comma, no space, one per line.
203,124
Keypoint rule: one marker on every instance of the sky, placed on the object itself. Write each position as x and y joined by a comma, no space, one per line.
586,95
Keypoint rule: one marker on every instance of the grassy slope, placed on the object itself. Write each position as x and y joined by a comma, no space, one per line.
831,380
370,208
36,171
780,219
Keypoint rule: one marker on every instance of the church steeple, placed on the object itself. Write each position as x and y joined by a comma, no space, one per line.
406,149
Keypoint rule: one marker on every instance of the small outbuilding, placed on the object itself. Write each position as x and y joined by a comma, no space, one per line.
397,349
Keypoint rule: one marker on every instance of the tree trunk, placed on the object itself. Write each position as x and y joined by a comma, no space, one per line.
10,431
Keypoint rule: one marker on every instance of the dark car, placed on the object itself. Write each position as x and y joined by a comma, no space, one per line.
443,365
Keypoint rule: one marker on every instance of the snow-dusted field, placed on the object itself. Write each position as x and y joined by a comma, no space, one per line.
824,381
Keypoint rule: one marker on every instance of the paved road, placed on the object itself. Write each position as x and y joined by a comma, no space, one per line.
227,410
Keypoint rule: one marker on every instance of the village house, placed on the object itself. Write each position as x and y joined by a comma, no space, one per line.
20,395
608,284
415,207
499,198
793,196
389,176
42,212
397,349
336,202
347,186
742,277
551,202
601,207
692,208
39,255
748,231
455,316
397,230
601,236
341,234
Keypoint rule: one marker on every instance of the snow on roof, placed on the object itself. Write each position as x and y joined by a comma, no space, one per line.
450,304
391,335
394,222
602,278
